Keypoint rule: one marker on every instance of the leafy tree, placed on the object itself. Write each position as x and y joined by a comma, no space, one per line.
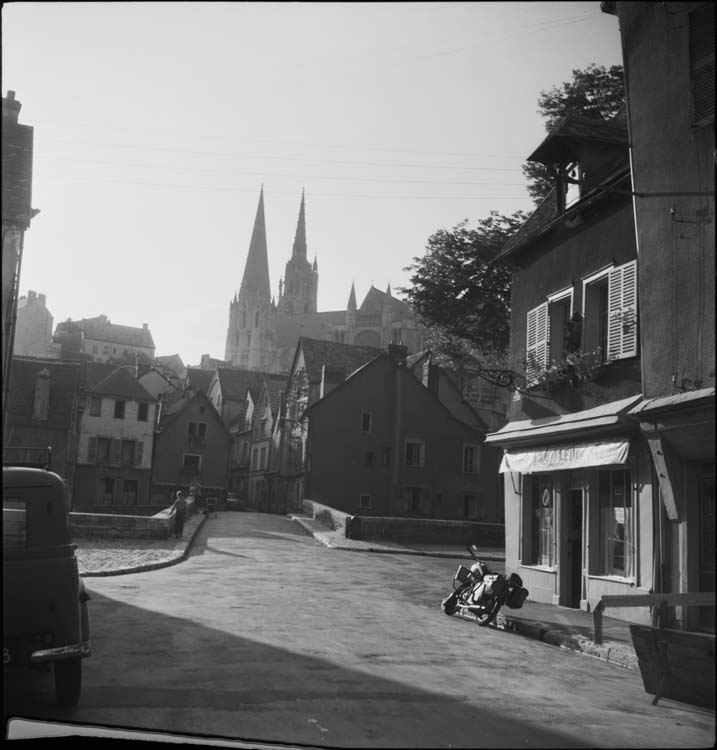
596,91
460,292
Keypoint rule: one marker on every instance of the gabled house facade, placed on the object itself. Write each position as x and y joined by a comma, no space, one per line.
42,413
669,61
116,430
191,450
318,366
383,443
33,328
264,437
577,475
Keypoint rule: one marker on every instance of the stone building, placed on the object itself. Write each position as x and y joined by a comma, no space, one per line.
33,328
263,333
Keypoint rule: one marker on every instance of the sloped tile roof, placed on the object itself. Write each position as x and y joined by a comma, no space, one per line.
337,357
173,403
235,382
571,130
121,383
64,386
200,378
274,389
93,373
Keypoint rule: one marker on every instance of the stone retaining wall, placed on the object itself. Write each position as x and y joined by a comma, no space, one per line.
158,526
426,530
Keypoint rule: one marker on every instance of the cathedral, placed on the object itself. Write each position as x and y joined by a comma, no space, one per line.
263,332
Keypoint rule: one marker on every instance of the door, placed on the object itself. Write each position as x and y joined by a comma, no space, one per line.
574,539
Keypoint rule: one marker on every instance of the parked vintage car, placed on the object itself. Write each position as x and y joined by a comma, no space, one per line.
45,617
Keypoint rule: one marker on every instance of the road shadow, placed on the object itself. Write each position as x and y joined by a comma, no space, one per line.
151,671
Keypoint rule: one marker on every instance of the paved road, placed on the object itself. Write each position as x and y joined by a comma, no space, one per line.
265,635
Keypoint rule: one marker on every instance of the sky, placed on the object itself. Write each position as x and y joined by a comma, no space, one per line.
156,125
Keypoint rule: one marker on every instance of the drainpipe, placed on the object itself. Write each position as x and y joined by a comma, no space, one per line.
393,490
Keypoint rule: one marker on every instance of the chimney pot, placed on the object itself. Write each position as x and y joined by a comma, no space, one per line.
41,299
144,325
31,295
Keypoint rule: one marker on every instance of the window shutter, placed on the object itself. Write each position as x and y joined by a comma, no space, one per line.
537,341
92,450
702,62
138,452
622,311
115,452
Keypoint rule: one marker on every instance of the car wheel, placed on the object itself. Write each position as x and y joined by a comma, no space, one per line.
68,681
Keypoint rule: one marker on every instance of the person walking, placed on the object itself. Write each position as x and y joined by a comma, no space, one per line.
180,510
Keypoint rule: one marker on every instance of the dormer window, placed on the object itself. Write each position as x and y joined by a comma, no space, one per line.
571,185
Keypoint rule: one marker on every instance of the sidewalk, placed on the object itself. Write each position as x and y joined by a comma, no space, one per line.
559,626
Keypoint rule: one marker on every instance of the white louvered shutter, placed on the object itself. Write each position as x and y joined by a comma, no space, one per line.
537,341
622,311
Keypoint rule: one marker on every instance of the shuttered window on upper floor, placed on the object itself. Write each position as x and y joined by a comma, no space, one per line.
622,311
702,63
536,342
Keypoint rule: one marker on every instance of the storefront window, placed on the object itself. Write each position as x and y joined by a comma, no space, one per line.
542,521
617,524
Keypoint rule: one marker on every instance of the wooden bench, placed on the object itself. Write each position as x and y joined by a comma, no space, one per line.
674,664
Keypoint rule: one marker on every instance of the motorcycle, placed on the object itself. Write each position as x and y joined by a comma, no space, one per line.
479,593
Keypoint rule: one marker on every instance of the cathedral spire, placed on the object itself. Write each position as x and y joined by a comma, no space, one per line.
256,270
352,299
300,238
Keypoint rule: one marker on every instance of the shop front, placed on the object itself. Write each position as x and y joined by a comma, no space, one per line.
579,506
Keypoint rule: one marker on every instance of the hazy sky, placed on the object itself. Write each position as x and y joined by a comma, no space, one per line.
157,123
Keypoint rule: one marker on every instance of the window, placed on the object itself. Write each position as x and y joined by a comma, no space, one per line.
119,409
103,450
471,459
256,319
243,322
129,491
365,502
263,461
197,428
191,461
617,523
142,412
415,453
387,458
540,535
610,311
413,497
559,311
702,63
128,451
536,342
573,175
248,339
107,491
368,460
254,459
366,421
95,406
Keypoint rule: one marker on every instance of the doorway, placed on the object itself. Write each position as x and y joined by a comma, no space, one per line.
574,540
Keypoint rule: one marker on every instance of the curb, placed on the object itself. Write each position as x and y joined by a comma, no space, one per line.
617,655
150,566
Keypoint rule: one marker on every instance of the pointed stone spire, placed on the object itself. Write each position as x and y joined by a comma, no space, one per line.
315,267
388,289
300,238
256,271
352,299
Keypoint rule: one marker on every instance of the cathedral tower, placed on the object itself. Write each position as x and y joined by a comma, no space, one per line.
251,336
298,293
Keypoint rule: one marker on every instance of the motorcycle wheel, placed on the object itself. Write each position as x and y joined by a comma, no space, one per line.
450,603
489,613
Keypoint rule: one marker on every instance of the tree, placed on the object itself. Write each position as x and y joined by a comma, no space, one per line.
461,292
596,91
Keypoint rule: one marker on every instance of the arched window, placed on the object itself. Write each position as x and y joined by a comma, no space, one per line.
243,318
256,319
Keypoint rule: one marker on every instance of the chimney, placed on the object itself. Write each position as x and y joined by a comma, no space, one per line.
31,296
41,299
144,325
397,353
10,107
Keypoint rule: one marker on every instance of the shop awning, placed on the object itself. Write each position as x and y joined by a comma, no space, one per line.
563,457
592,425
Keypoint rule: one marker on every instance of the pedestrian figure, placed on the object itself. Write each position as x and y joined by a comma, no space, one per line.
180,509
